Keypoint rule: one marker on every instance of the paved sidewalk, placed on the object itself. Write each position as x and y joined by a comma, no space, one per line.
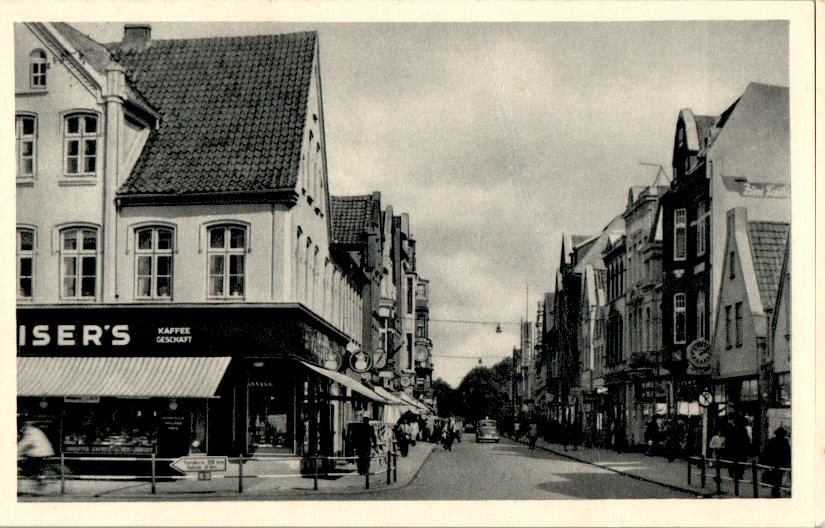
254,488
656,469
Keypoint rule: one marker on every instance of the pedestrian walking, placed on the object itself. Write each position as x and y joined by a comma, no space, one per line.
737,447
716,446
533,435
672,445
33,448
777,454
651,436
363,439
448,434
402,437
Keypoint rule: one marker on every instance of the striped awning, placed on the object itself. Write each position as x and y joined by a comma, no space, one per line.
124,377
346,381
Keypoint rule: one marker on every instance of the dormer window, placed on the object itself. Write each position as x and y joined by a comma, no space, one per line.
37,69
80,134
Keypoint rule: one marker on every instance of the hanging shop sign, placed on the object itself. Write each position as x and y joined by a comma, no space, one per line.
360,361
698,356
422,353
379,358
705,398
332,360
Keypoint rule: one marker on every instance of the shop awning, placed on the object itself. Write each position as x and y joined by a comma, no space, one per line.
346,381
387,395
124,377
412,401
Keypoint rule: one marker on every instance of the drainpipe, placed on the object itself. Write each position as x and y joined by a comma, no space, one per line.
113,96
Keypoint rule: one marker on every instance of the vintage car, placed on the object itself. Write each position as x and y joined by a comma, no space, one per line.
487,431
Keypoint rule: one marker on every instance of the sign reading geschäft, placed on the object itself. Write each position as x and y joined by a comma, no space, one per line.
198,464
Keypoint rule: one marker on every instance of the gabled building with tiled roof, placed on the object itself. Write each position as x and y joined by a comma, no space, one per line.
754,255
182,188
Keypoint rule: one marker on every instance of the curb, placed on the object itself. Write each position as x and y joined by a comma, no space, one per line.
674,487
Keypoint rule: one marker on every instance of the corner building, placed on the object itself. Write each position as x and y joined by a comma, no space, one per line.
176,279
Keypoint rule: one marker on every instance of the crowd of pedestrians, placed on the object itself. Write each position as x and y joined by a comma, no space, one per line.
412,428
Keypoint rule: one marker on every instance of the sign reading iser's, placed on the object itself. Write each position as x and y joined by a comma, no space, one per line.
43,335
120,330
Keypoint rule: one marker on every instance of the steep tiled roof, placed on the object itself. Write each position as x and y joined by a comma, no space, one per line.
578,239
768,241
350,217
233,112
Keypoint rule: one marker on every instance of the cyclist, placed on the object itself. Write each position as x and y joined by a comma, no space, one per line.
32,450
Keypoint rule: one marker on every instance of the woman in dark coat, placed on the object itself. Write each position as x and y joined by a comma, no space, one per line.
778,455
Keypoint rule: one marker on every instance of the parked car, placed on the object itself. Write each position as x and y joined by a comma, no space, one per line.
487,431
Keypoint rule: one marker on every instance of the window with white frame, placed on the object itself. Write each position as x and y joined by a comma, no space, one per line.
37,69
226,256
153,262
80,135
78,262
701,316
679,318
26,135
680,234
25,263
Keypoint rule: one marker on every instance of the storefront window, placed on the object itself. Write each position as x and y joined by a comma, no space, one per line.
270,424
110,426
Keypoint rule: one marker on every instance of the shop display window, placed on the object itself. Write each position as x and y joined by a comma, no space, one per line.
270,424
110,427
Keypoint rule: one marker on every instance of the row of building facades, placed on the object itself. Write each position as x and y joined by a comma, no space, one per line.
679,307
182,271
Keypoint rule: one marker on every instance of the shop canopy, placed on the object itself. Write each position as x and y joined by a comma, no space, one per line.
123,377
415,403
346,381
387,395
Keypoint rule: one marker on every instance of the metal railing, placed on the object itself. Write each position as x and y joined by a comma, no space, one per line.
55,469
736,475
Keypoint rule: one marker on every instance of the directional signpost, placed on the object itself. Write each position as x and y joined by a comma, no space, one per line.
202,465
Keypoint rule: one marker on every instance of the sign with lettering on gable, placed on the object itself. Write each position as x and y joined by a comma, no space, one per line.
757,189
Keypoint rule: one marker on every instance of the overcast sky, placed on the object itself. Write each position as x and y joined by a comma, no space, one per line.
496,138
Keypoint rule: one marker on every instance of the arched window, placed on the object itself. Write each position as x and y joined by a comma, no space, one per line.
80,133
25,263
226,256
26,135
679,318
153,262
79,250
37,69
296,294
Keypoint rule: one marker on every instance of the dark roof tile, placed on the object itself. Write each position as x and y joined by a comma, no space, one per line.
350,217
233,112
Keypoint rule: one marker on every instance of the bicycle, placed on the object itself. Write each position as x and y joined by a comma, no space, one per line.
38,470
